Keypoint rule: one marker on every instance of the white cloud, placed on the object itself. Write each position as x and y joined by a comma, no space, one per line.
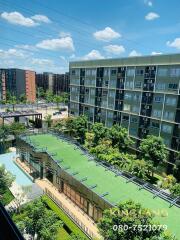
134,53
41,18
106,34
65,43
73,56
18,19
114,49
148,3
151,16
12,52
64,34
94,54
156,53
175,43
42,62
26,47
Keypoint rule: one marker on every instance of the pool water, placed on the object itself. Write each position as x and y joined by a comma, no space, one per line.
21,178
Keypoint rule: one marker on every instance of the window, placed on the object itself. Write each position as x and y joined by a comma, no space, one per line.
129,84
173,86
139,72
130,72
106,72
135,109
113,72
136,97
162,72
138,84
156,113
134,120
126,107
171,101
175,72
166,128
127,96
158,99
160,86
168,115
155,124
133,131
125,118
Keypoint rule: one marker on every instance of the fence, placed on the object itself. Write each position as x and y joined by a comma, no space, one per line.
84,228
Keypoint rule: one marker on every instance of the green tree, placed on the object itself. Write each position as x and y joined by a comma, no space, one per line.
168,181
23,98
16,128
49,97
38,220
57,99
153,149
80,127
126,215
76,237
6,179
175,189
120,137
100,132
48,120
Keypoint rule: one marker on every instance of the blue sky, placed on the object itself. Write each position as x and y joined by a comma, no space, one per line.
46,35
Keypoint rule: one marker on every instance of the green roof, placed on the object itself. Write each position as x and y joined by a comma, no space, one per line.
117,187
164,59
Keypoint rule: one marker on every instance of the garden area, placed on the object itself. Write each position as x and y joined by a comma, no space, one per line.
113,146
43,219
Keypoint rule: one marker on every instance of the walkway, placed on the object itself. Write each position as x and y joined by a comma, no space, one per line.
73,209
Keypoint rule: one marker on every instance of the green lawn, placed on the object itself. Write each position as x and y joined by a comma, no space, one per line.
67,221
117,187
7,197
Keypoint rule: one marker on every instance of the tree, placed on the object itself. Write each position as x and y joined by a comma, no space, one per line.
6,179
49,96
48,120
38,221
175,189
16,128
153,149
168,181
57,100
119,137
89,139
80,126
100,132
128,216
23,98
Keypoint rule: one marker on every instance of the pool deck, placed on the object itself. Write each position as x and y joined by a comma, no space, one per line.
117,187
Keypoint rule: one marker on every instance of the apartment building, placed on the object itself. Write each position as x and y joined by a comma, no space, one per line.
57,83
18,82
2,85
141,94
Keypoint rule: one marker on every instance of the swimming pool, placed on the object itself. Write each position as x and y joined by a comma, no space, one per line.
21,178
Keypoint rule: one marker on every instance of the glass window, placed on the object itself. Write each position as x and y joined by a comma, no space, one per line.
106,72
160,86
173,86
139,72
166,128
129,84
127,96
171,101
155,124
156,113
138,84
126,107
162,72
135,109
168,115
158,99
175,72
134,120
113,72
130,72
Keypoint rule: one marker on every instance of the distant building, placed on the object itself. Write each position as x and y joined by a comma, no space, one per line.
57,83
2,85
17,82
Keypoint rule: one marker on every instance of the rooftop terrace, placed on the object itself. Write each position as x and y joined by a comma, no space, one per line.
104,182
